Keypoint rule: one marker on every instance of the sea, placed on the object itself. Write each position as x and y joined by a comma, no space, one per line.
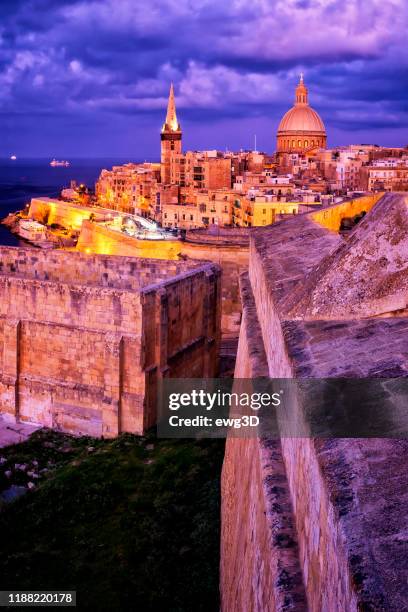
23,179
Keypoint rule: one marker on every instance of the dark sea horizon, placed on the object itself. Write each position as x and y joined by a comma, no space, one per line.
23,179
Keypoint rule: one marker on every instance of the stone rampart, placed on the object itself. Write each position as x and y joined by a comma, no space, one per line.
84,340
331,217
347,496
231,256
67,214
102,240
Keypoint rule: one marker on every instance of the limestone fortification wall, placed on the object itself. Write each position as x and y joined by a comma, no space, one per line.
259,578
230,255
88,269
102,240
259,555
344,496
86,357
233,260
331,216
67,214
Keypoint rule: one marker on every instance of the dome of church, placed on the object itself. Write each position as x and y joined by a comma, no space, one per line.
301,118
301,128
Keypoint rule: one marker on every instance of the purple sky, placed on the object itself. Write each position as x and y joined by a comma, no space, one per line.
90,78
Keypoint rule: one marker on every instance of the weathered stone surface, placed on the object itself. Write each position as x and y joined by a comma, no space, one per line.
81,336
347,495
367,274
262,573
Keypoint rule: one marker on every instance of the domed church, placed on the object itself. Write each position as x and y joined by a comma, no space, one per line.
301,128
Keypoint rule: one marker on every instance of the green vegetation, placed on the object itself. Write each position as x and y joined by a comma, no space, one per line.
131,523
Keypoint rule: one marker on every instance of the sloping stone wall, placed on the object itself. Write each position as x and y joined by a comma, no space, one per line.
347,496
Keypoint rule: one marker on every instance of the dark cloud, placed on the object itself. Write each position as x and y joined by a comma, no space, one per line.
105,65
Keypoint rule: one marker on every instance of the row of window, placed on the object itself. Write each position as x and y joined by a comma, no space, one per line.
301,143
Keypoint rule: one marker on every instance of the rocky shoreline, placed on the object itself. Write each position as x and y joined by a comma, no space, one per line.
55,237
12,221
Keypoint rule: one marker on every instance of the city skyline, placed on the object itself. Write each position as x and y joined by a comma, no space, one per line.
77,82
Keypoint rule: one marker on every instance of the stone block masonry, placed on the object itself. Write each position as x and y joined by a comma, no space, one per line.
229,251
320,524
85,339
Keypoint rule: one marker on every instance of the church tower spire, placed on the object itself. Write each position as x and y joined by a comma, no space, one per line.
171,122
170,140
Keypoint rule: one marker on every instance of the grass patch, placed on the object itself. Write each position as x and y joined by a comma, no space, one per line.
131,523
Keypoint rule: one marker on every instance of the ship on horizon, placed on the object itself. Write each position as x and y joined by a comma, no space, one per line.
54,163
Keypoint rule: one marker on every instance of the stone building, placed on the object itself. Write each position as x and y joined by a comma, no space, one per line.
314,523
388,174
301,128
86,339
129,188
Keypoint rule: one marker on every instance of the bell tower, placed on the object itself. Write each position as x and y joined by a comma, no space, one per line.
170,138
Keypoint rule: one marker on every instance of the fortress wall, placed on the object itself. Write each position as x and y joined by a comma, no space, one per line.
61,377
269,319
323,548
76,305
99,239
323,555
259,567
58,357
332,216
87,269
246,568
50,211
233,259
182,312
323,559
71,377
73,356
181,330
